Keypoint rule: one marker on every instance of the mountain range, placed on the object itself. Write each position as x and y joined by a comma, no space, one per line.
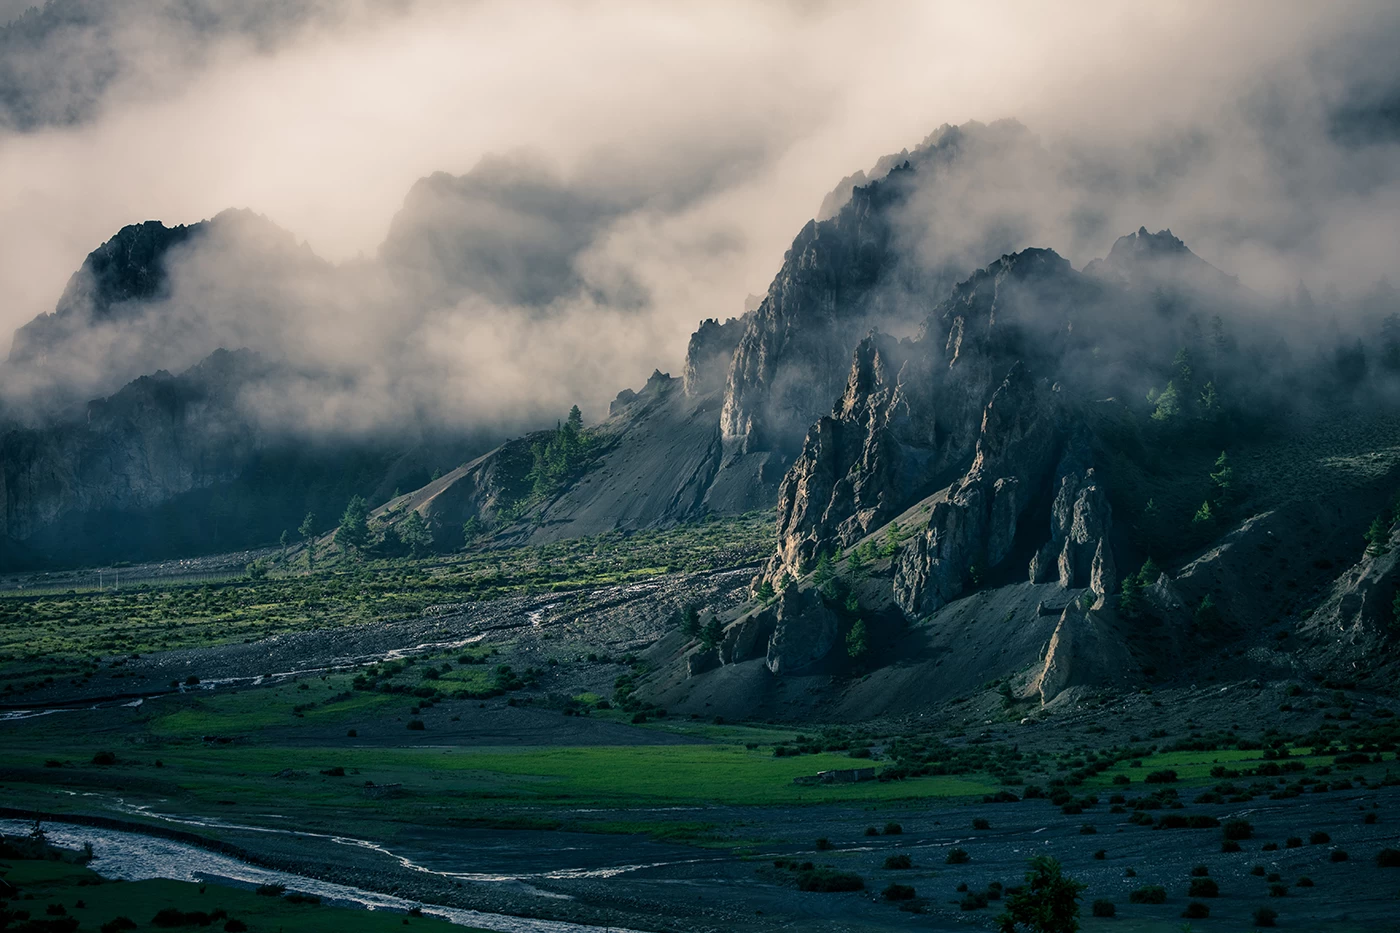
1006,436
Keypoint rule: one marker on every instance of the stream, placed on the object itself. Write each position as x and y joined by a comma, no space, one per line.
134,857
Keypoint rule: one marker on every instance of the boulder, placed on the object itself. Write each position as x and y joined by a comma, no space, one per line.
805,632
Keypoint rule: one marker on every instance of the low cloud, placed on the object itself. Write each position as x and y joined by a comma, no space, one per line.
620,171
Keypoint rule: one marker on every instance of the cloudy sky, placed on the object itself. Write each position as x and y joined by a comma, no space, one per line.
708,131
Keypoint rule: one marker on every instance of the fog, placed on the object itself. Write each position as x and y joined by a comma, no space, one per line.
623,170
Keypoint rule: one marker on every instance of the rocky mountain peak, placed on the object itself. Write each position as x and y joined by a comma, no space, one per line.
708,354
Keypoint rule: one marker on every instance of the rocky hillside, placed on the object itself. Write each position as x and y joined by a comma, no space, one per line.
997,486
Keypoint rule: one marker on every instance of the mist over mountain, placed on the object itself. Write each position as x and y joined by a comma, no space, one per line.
452,282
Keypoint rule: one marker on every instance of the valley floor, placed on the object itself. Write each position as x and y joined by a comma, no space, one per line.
508,781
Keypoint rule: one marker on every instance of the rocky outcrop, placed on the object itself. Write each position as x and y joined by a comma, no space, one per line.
911,417
1083,651
709,353
856,269
973,529
1357,619
787,366
130,267
804,633
861,462
791,633
1078,553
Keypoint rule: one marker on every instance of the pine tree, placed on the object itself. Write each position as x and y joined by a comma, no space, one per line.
1130,599
857,641
1390,343
1377,538
891,546
1149,572
1168,404
414,534
353,533
1224,479
765,591
1047,903
691,624
307,530
1204,516
825,570
712,634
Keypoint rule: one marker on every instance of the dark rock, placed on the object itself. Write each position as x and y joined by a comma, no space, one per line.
804,633
708,354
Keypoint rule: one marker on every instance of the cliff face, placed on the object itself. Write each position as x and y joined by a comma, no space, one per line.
915,414
873,260
708,354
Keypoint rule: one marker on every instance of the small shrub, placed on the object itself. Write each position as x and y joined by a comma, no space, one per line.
1265,917
1257,870
1238,829
1203,887
351,734
898,862
1319,838
1101,854
1148,894
1087,829
824,845
871,831
1339,855
1200,871
104,758
1278,890
416,725
826,880
272,890
235,926
957,857
893,829
1388,858
1292,842
1118,779
1371,819
973,900
118,924
1196,911
1166,776
1304,882
898,892
1229,845
1102,908
981,823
